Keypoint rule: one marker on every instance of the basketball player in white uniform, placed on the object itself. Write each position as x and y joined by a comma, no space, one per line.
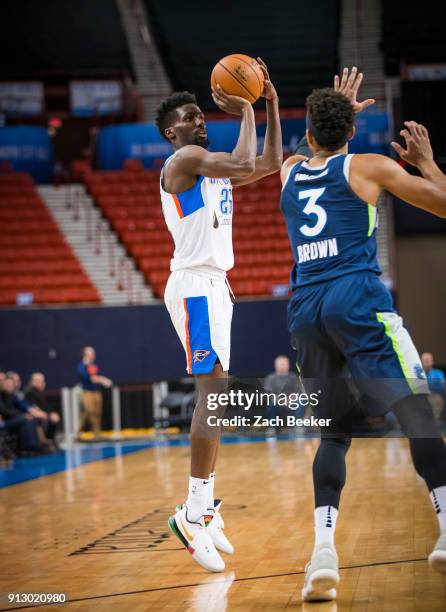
196,195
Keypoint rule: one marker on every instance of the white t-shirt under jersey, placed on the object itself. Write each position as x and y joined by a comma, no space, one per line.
200,221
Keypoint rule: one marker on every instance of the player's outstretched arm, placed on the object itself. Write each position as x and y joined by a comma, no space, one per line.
427,193
193,160
271,158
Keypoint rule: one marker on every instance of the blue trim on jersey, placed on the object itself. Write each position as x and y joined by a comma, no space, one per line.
203,356
191,200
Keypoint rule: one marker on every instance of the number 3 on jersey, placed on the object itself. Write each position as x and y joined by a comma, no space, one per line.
311,208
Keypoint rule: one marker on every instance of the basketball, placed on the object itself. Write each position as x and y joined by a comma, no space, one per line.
239,75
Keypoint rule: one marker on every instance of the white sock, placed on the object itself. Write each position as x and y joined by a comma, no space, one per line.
197,500
211,490
438,497
325,518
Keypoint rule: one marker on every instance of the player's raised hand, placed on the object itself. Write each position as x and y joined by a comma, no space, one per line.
418,145
233,105
349,85
269,91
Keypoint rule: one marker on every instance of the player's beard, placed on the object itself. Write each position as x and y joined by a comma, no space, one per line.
202,142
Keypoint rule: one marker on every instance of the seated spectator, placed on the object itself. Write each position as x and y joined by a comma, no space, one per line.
279,382
4,450
41,417
17,421
436,382
34,395
91,396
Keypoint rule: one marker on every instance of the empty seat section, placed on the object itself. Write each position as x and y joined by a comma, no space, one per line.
131,202
34,256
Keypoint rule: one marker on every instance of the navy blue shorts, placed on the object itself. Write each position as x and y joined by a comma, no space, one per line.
351,345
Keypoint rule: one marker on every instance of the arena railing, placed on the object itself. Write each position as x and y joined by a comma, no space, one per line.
71,410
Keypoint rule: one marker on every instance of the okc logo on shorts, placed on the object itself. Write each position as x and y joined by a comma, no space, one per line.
200,355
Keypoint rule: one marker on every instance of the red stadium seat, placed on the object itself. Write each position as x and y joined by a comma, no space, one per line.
133,165
34,257
130,200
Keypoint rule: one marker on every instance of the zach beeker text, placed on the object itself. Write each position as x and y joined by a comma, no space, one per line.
260,421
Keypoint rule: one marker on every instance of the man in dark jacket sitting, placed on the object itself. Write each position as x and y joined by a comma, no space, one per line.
16,421
34,395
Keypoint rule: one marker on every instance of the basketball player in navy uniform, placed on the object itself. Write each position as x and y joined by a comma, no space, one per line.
341,317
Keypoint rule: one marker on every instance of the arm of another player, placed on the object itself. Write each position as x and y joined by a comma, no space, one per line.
195,160
272,156
288,164
427,193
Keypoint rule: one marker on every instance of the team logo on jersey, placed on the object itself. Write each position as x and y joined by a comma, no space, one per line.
200,355
309,177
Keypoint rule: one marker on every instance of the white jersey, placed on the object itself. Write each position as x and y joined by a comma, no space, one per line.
200,221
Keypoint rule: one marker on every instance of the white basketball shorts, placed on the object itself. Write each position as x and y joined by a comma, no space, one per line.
200,307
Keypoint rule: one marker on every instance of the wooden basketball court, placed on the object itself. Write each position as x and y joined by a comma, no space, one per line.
99,532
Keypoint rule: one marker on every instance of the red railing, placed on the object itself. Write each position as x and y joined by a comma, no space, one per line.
122,270
102,233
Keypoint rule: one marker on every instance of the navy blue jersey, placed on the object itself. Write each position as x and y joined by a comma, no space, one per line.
331,230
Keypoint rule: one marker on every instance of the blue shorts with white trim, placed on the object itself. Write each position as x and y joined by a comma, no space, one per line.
348,335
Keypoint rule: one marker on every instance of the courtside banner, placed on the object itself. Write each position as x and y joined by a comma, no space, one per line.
372,134
21,99
28,149
89,98
142,141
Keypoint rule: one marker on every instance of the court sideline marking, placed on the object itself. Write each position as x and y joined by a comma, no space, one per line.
245,579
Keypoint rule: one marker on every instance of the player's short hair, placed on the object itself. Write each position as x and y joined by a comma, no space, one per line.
330,117
166,110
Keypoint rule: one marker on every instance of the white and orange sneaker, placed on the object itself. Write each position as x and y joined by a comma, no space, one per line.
215,524
196,538
215,528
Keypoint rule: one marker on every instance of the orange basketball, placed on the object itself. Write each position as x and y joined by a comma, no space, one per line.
239,75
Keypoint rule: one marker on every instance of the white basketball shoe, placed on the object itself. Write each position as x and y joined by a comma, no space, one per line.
215,524
215,528
321,574
437,558
196,538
